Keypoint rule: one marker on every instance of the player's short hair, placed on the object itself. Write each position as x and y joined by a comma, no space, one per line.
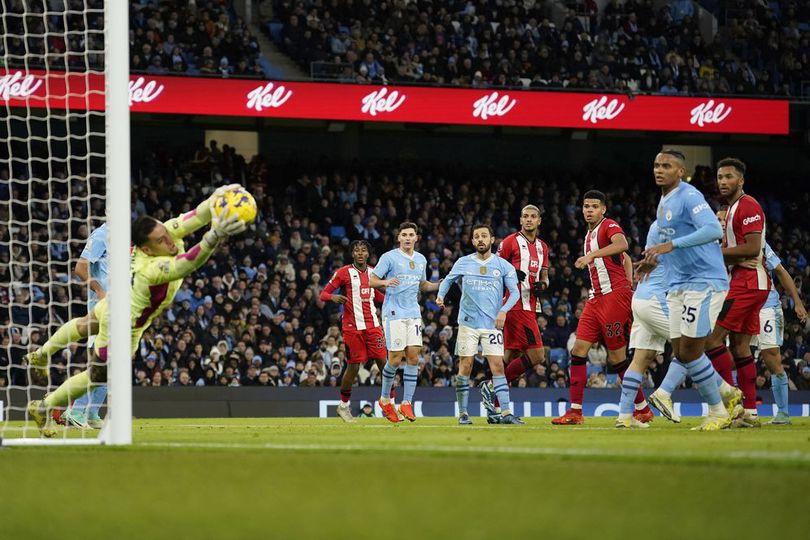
357,243
674,153
141,229
530,207
482,226
732,162
408,225
595,194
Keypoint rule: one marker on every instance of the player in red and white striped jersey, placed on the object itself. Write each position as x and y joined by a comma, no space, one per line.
743,249
362,332
607,316
523,345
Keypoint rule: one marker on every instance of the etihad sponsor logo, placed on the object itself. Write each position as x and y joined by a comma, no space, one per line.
602,109
141,91
493,105
699,208
709,113
268,96
381,101
18,86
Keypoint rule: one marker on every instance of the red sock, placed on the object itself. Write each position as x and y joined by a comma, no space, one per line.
621,368
747,380
391,395
516,368
345,396
721,360
579,376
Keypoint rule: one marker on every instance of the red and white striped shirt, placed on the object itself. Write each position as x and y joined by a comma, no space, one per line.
746,217
607,274
359,312
529,257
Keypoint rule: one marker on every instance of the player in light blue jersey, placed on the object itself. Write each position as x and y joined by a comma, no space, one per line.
649,334
771,329
482,314
689,234
402,272
92,269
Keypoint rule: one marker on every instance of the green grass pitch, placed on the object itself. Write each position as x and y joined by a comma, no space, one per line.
320,478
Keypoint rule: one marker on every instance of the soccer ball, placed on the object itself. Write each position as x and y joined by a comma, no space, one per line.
237,200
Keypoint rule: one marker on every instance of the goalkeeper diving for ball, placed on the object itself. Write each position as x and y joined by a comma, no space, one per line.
159,265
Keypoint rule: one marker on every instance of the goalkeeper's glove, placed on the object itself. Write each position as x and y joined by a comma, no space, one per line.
223,228
539,287
219,192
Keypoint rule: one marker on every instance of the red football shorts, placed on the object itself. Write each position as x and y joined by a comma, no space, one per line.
520,331
365,344
740,312
607,318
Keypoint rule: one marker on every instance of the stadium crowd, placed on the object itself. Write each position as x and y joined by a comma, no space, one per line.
762,47
252,314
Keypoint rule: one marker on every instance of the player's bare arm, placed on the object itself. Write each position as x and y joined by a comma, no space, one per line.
82,271
429,286
376,283
628,268
618,244
750,249
790,287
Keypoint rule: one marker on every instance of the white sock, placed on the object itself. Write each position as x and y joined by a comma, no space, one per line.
718,410
641,406
576,406
625,416
751,412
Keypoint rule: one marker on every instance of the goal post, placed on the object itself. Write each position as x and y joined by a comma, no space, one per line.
64,168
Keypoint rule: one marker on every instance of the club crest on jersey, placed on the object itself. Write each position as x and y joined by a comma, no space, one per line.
669,215
496,273
483,270
412,265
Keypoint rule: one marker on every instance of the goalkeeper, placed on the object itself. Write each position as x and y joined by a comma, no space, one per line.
159,265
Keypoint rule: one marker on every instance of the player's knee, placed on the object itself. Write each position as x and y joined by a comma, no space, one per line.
98,374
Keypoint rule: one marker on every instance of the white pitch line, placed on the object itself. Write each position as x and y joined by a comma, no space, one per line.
529,450
374,426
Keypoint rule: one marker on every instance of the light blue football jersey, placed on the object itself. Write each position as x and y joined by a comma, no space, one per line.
482,289
681,212
95,252
772,260
402,301
657,283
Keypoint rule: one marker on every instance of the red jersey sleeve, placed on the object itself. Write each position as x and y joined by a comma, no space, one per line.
507,248
544,262
379,296
334,284
750,216
610,229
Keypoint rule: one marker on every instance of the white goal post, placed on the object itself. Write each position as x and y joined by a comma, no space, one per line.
21,107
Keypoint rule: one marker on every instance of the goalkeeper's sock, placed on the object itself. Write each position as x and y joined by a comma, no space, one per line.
97,397
779,385
68,333
409,376
676,373
462,393
73,388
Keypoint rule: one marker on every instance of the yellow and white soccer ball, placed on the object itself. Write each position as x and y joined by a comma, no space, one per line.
238,201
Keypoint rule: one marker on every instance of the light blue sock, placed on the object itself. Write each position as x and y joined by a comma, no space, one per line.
702,373
388,373
501,388
409,382
462,393
97,397
630,386
676,373
779,385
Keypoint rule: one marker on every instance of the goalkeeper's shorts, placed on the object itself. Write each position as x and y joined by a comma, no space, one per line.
101,311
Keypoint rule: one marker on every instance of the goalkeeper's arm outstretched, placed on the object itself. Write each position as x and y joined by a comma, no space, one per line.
159,264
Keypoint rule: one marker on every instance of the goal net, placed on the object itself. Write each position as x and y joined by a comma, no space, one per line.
64,172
